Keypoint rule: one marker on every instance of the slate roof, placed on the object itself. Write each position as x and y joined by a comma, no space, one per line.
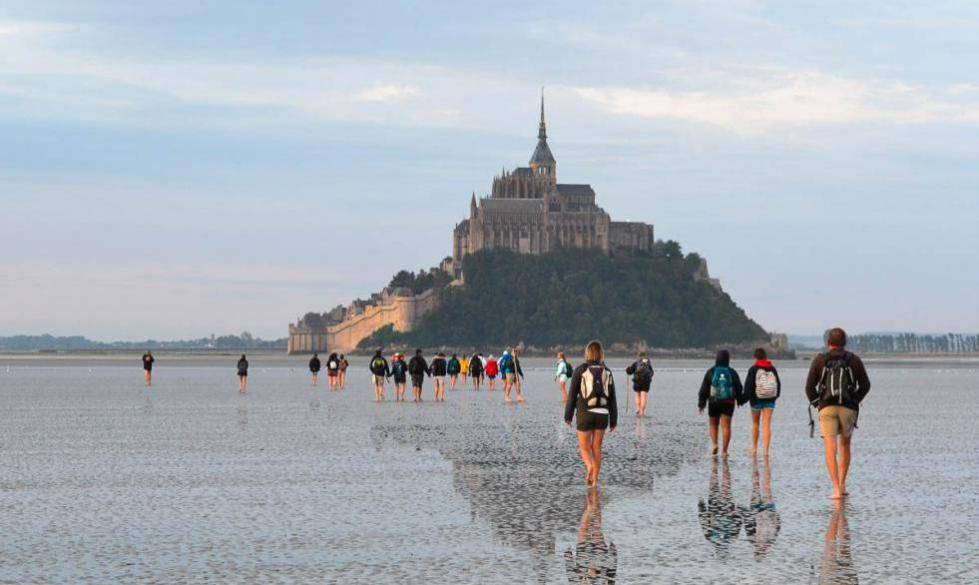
574,189
513,206
542,154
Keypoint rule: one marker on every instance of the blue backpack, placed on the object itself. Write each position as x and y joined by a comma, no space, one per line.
722,385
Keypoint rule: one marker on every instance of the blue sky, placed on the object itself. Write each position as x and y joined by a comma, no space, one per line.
176,169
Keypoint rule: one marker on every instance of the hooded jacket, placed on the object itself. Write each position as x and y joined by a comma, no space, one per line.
723,360
749,382
439,366
453,367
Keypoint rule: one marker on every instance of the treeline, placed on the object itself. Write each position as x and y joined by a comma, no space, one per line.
571,296
422,281
914,343
51,342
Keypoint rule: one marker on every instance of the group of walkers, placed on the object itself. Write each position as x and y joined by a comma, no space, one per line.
336,370
836,384
475,368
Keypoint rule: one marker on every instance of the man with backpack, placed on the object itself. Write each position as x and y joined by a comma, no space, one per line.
418,369
836,385
642,378
379,373
720,392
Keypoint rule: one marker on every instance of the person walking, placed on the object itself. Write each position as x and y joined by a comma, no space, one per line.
464,366
242,373
762,387
418,369
399,371
476,371
518,379
509,373
592,401
453,367
333,370
380,372
563,375
148,360
492,370
720,392
439,369
342,377
314,367
836,385
642,378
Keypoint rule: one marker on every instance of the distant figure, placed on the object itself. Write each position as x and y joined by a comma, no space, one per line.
761,520
720,392
492,371
148,367
454,367
464,363
508,372
563,375
380,372
476,370
720,517
593,560
399,371
342,377
242,373
642,378
836,385
438,369
333,371
518,379
418,369
314,367
592,401
761,388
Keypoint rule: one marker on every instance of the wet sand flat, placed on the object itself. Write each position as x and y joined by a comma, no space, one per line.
104,480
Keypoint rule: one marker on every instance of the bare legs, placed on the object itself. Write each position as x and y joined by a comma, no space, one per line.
242,382
837,470
148,376
562,385
417,389
641,403
507,385
590,447
315,376
452,381
766,428
400,388
378,391
518,385
342,379
725,424
439,389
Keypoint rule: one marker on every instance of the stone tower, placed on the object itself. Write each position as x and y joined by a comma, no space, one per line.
542,163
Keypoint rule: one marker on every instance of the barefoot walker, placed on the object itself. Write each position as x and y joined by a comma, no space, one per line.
719,392
592,401
836,385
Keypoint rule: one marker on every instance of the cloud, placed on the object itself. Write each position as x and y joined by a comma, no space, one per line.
767,98
387,93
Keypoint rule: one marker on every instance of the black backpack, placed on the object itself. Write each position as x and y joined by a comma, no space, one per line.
568,369
415,367
837,383
644,373
377,365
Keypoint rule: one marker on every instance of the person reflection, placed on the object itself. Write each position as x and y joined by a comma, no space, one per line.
593,560
837,564
761,519
720,518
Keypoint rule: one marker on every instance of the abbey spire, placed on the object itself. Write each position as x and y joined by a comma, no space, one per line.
542,162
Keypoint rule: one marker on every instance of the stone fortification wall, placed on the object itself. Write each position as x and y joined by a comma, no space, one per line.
403,312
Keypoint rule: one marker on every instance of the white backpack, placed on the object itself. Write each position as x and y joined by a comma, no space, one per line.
595,382
766,385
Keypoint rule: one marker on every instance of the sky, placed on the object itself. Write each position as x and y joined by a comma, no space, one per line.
176,169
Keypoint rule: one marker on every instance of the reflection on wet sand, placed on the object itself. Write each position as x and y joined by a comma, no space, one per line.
720,518
837,566
593,560
761,518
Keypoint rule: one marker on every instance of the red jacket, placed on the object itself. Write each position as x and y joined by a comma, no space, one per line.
491,368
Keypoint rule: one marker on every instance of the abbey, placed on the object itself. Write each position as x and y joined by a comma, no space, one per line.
528,211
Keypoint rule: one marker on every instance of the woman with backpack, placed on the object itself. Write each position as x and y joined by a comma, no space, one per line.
720,392
642,378
761,388
454,367
314,367
439,368
564,373
333,370
342,378
592,402
476,370
399,371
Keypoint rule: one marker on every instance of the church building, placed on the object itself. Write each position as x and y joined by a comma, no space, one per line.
529,212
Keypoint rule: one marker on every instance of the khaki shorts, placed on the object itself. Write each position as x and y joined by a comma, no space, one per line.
836,420
378,380
511,377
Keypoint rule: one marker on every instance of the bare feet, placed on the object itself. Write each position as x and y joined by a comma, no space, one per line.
836,496
713,450
724,455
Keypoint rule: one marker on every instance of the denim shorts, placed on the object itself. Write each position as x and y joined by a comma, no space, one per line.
761,404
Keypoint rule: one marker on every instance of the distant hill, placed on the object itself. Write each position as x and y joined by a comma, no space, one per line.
50,342
568,297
